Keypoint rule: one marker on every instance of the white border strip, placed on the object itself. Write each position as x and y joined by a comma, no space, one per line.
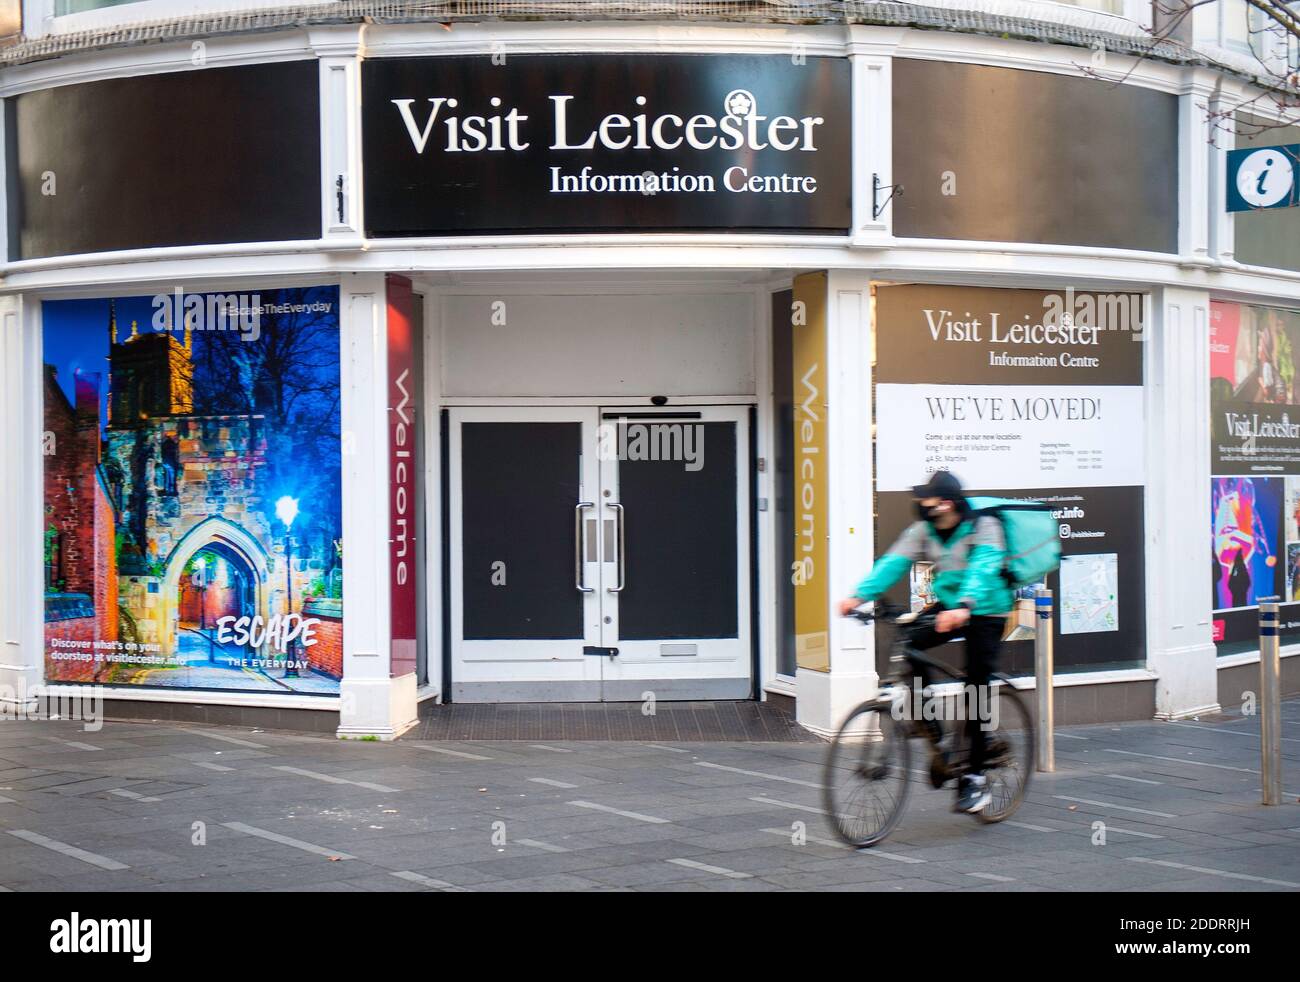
328,704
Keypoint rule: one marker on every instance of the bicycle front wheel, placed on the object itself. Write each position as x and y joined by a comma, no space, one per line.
1010,756
866,776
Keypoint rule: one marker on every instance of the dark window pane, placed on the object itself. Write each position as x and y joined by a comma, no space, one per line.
519,485
681,542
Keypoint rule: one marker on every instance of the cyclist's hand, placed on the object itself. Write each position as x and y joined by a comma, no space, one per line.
951,620
849,604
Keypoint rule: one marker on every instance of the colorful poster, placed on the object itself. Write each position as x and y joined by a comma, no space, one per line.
1255,461
1245,512
193,523
1225,326
1029,395
1254,392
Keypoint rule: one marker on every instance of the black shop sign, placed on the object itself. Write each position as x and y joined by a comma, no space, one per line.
608,143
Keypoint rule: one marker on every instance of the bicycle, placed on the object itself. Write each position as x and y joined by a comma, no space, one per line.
871,752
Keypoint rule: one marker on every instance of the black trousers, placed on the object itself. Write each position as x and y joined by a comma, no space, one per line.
983,637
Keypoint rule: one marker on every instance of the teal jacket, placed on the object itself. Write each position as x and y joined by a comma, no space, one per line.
967,568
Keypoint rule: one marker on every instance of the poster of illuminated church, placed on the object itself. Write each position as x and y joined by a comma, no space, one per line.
193,526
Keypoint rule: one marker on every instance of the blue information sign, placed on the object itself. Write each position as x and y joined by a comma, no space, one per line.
1264,177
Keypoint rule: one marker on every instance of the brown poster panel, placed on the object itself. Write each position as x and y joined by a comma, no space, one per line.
959,334
1002,155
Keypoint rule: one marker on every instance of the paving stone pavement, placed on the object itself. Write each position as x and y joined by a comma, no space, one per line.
189,807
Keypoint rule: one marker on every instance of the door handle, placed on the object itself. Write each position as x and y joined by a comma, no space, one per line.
618,510
577,548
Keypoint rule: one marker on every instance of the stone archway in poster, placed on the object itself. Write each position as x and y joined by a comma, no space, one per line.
193,524
1255,463
1027,394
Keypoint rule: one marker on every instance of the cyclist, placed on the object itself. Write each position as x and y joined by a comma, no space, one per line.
967,552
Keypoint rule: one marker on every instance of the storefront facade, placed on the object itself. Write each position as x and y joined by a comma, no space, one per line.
605,353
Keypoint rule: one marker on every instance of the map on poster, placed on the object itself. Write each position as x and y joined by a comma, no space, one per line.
1089,591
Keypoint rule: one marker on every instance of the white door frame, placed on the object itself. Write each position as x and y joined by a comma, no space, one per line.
558,670
534,670
699,668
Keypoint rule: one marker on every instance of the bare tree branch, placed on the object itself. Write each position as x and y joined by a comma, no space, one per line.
1273,40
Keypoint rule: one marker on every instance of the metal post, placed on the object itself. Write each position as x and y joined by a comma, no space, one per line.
290,650
1044,667
203,620
1270,704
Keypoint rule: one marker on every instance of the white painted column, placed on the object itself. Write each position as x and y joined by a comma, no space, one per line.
22,666
870,55
372,703
825,698
1222,225
1194,152
340,132
1180,650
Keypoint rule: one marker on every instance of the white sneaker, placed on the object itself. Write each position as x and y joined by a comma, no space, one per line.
973,794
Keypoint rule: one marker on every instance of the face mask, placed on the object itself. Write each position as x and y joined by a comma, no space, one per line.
926,514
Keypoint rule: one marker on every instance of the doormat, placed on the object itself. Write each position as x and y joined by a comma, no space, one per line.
732,722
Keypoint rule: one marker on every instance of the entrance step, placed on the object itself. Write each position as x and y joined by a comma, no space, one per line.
732,722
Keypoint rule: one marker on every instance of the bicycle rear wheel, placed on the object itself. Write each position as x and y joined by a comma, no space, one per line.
1010,756
866,778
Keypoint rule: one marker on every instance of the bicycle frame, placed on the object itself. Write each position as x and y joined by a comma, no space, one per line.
904,652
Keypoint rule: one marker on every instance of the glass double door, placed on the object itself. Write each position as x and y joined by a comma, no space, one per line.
599,554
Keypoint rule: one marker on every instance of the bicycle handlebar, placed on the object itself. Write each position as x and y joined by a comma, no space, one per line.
884,611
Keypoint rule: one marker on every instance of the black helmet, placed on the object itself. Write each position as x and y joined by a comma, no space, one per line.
942,484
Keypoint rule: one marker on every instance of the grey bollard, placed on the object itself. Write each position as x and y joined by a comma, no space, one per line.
1044,667
1270,703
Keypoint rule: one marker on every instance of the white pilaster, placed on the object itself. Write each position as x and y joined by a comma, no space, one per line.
21,623
1180,650
340,132
1194,151
871,57
825,698
372,703
1222,226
